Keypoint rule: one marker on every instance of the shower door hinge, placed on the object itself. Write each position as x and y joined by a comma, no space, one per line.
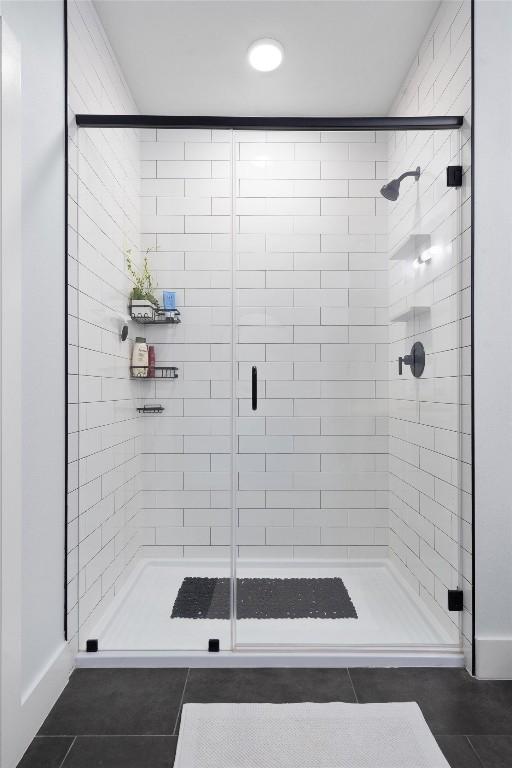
91,646
455,600
454,176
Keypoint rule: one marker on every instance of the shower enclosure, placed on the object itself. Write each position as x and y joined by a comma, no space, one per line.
304,485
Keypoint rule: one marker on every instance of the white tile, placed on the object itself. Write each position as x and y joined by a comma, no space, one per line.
293,242
269,169
293,352
183,206
171,535
273,334
324,151
347,206
207,187
278,206
266,224
175,169
293,426
368,151
265,298
333,169
208,224
322,224
207,151
162,187
163,224
267,151
265,517
154,150
367,225
299,535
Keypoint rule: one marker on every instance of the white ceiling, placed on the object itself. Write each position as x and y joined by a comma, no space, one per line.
342,57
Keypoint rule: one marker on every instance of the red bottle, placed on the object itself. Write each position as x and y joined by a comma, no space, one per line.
151,362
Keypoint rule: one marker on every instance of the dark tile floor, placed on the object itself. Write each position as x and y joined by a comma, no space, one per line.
129,718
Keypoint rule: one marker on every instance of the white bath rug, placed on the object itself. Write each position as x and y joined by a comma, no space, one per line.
306,736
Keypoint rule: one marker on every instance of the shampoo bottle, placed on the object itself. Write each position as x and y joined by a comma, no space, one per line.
140,358
151,361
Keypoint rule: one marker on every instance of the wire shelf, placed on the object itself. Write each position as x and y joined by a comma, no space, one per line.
160,317
151,409
157,371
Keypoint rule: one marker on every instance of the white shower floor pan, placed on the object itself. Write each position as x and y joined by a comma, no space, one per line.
393,627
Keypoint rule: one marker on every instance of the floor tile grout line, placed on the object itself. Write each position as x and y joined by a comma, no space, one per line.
67,752
474,750
352,684
181,702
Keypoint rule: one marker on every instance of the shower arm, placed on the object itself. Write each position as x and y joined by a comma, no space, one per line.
415,173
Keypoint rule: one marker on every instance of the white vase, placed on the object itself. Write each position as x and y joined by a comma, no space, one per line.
142,309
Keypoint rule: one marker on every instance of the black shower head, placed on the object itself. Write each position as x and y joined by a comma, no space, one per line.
391,190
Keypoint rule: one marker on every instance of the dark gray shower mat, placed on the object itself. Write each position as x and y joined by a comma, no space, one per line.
204,598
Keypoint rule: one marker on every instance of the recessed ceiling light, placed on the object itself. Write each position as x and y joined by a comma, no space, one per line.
265,55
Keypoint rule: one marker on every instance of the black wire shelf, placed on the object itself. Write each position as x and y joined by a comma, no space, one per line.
160,317
145,372
151,409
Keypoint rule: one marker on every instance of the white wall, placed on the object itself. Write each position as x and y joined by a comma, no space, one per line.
40,31
38,661
492,344
10,397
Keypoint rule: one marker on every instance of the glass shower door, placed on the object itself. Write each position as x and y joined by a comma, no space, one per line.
155,487
429,404
291,451
350,486
312,329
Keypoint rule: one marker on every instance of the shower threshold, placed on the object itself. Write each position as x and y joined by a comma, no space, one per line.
393,626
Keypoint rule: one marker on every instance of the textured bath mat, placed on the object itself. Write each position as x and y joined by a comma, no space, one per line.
306,736
203,598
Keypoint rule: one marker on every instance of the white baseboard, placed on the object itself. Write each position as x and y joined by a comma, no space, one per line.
494,657
38,700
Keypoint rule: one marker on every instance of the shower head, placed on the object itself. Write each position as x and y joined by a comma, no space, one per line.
391,190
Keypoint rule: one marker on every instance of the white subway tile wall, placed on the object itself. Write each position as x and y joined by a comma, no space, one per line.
185,499
104,221
311,280
429,418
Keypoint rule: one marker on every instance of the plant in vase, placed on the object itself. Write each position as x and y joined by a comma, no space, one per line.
143,303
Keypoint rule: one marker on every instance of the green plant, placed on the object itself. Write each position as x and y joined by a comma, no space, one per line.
143,285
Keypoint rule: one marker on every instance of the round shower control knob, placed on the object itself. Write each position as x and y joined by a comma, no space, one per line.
416,360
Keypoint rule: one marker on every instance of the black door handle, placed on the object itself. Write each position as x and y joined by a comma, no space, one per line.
254,388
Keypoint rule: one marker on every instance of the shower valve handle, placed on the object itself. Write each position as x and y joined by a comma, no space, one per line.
416,360
405,360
